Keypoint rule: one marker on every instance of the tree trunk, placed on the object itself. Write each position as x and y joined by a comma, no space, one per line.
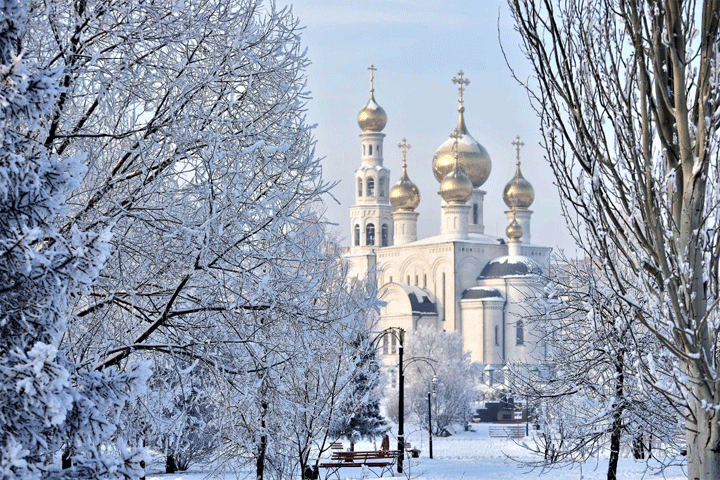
262,448
260,464
66,460
170,466
703,456
617,412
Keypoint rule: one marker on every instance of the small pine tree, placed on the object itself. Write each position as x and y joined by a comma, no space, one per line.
48,409
360,416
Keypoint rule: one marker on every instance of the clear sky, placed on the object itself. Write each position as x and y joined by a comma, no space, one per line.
417,48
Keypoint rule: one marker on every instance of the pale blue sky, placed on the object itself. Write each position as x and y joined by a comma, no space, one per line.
417,47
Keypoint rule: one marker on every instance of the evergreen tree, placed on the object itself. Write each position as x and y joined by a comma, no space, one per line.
360,416
47,407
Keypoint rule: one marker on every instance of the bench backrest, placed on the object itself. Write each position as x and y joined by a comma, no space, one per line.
364,455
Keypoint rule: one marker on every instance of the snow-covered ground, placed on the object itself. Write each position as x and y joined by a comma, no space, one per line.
475,455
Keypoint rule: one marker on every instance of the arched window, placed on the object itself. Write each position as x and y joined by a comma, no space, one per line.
381,187
520,332
363,149
357,235
370,234
384,235
385,349
378,149
370,150
393,378
393,345
370,191
359,187
497,335
475,213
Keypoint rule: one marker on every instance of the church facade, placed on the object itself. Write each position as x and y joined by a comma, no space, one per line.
462,279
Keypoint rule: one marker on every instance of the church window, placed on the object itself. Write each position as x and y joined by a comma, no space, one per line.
424,280
370,234
393,378
378,149
393,345
520,332
475,213
370,187
363,149
370,149
357,235
408,280
416,280
385,345
381,187
359,187
497,335
384,235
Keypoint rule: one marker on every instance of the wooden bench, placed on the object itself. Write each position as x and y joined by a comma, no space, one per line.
384,460
336,446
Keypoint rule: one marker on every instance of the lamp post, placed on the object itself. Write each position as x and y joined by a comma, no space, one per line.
400,335
401,402
430,392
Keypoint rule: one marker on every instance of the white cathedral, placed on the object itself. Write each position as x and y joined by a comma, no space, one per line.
462,279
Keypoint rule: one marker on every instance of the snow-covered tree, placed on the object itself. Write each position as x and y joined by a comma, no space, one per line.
592,397
200,161
359,417
627,92
302,374
48,408
434,353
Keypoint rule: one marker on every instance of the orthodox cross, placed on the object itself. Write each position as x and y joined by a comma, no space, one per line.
405,147
518,144
372,77
462,83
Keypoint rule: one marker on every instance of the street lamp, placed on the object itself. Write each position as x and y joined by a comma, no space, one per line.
433,384
400,335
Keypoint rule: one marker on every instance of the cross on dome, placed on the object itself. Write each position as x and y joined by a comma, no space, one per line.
405,147
461,83
372,77
518,144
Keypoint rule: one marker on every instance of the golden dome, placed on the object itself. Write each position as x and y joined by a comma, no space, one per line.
456,187
472,156
518,192
372,118
514,231
404,195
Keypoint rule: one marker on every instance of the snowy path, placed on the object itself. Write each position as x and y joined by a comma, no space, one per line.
476,456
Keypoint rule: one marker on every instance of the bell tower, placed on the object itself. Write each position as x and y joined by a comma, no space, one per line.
371,223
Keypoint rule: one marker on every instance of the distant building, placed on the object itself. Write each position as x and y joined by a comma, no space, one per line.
462,279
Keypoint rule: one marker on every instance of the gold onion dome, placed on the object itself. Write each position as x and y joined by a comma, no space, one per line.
372,118
404,195
518,193
514,230
473,158
456,187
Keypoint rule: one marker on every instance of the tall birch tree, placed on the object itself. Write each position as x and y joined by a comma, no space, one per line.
627,93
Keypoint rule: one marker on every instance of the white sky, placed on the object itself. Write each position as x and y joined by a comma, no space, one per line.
417,47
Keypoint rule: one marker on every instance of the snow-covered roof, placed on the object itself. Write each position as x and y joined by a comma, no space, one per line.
378,168
438,239
510,266
421,301
481,293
